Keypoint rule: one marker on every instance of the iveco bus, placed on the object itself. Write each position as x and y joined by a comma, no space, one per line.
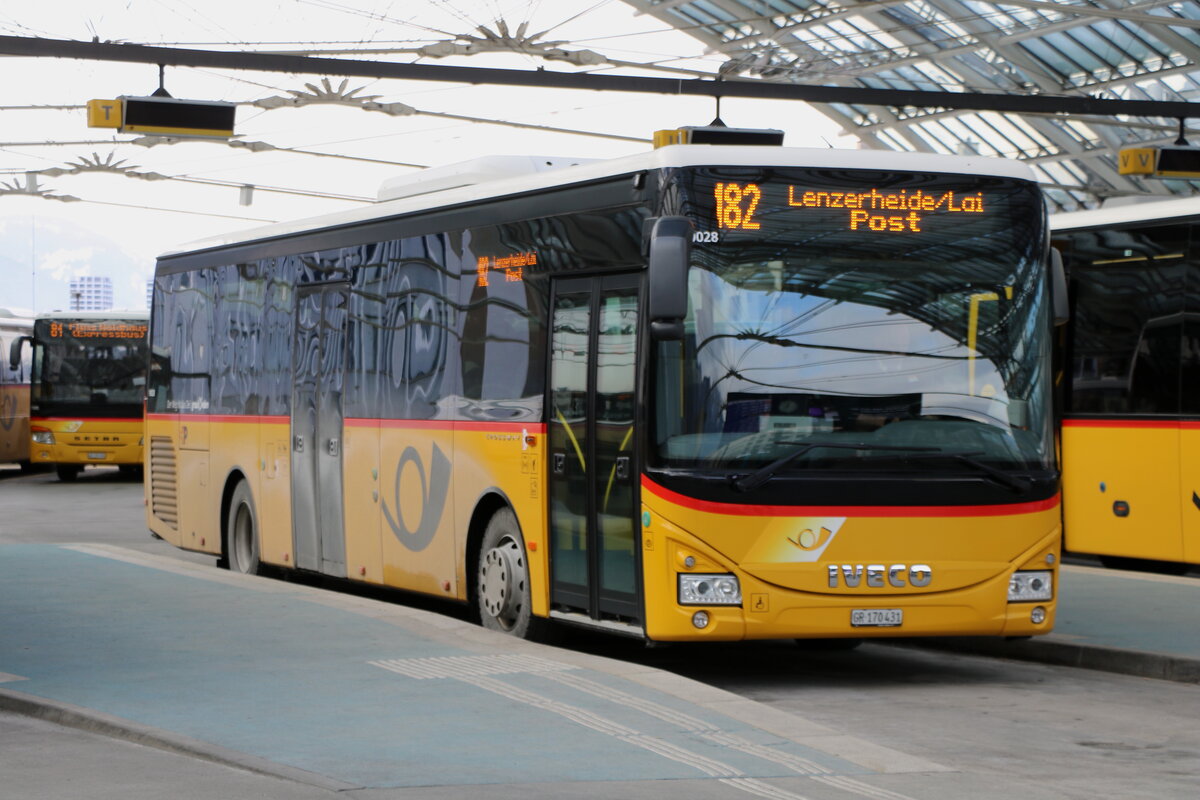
709,392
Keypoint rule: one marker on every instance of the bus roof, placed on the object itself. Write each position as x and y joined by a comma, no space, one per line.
445,192
116,313
1132,212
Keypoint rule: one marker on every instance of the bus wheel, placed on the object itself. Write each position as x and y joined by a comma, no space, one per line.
503,585
241,531
67,472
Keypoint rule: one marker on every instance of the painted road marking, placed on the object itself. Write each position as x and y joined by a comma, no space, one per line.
479,671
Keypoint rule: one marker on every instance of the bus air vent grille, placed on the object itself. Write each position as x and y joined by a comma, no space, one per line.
164,502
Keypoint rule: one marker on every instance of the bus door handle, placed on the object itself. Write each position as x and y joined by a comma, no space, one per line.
622,467
560,463
332,446
298,444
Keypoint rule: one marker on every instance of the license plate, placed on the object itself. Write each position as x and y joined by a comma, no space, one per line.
876,617
97,456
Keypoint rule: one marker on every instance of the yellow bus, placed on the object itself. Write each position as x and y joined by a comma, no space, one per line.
87,389
699,393
15,326
1131,405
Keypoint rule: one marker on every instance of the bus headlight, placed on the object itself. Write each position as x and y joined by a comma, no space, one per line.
43,437
1030,586
709,590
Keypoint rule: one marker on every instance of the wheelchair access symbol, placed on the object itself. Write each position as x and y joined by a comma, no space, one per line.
433,498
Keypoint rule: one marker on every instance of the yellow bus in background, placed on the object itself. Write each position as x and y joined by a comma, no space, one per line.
1131,405
702,393
15,326
87,389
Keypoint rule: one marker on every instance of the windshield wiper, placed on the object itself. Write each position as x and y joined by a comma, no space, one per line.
755,479
1013,482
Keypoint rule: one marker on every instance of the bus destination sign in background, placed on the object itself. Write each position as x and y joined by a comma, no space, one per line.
97,330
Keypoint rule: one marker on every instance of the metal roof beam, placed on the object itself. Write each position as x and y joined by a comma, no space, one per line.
1127,14
101,51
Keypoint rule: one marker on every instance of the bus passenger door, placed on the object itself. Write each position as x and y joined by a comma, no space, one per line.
318,374
592,472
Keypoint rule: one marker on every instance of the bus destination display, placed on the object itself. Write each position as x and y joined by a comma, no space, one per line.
97,330
899,211
512,266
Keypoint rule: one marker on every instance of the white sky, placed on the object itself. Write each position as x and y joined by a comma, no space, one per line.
133,220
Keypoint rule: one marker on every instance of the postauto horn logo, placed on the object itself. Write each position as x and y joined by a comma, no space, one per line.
432,499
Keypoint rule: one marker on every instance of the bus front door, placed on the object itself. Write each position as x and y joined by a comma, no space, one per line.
592,474
318,373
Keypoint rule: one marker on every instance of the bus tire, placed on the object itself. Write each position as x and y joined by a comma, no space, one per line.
502,586
68,472
241,532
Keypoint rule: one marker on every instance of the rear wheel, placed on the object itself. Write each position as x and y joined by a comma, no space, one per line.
241,532
68,472
502,588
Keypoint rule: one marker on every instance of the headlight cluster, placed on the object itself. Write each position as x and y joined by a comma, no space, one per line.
43,437
709,590
1031,586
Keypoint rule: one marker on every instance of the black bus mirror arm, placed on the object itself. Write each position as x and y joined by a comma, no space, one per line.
14,351
1058,288
669,254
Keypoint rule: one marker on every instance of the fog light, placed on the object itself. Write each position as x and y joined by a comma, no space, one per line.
700,619
708,590
1028,586
1037,616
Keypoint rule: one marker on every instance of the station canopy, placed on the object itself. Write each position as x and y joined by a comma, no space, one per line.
1112,49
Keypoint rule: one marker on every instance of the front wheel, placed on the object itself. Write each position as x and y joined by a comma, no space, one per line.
241,532
502,589
68,472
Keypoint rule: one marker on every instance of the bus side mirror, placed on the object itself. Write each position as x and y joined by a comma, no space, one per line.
14,352
1058,288
670,252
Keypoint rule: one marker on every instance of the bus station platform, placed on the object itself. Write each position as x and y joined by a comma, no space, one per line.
1135,623
346,692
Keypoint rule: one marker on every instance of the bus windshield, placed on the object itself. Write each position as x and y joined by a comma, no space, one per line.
858,320
96,365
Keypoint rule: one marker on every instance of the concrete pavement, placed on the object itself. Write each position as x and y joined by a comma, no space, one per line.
348,693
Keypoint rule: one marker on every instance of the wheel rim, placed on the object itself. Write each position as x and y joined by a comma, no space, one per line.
243,533
502,582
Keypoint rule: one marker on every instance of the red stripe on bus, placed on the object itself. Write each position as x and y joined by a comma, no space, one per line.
85,419
358,422
749,510
450,425
1133,424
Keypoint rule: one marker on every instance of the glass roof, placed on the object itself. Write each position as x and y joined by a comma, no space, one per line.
1112,49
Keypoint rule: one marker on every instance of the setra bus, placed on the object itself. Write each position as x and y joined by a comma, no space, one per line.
1131,399
87,389
14,389
701,393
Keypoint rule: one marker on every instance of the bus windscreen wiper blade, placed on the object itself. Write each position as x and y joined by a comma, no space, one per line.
1015,483
761,475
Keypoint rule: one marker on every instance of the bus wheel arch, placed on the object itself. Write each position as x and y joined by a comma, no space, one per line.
497,566
240,537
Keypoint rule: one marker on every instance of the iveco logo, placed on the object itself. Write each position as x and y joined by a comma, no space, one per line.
879,576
